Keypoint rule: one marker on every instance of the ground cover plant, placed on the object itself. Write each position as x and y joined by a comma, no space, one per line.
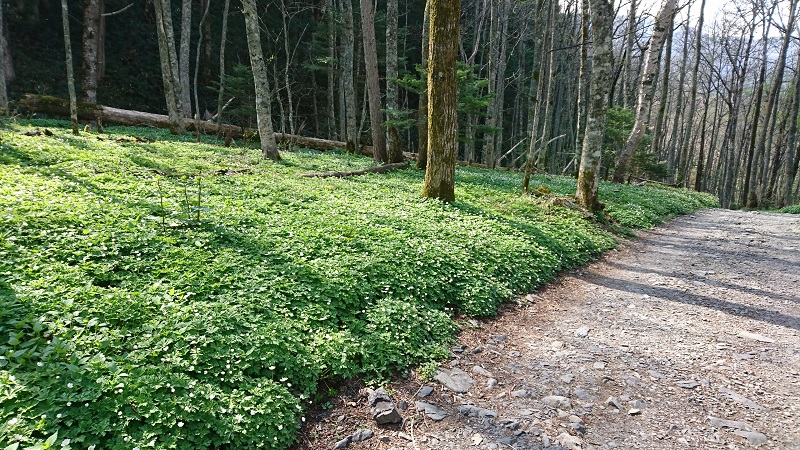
159,293
794,209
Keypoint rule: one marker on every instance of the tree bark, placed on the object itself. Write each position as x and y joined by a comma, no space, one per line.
269,148
791,141
422,112
222,40
348,79
442,100
687,137
3,45
200,29
663,21
169,64
656,146
183,61
393,137
373,81
626,68
600,85
91,39
73,101
583,77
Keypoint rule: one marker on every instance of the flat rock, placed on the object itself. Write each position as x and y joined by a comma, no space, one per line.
582,332
361,435
431,411
476,411
755,438
424,391
557,401
656,374
481,371
756,337
566,378
738,398
382,407
520,393
724,423
456,380
599,365
687,384
569,441
342,444
614,401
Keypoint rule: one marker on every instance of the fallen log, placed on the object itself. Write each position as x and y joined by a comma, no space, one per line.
351,173
54,106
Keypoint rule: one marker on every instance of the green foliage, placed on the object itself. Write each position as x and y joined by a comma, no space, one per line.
239,85
619,123
127,321
795,209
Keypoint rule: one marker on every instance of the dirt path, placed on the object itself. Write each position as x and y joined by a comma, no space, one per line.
688,337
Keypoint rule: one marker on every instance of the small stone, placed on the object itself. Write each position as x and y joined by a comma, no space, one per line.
582,332
655,374
402,404
476,350
514,354
741,399
405,436
520,393
456,380
506,441
384,439
599,365
724,423
584,395
481,371
475,411
755,438
557,345
491,383
361,435
342,444
614,401
557,401
431,411
383,410
477,439
424,391
458,349
569,441
687,384
756,337
634,411
566,378
638,404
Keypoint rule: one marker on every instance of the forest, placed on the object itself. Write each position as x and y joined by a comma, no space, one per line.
708,103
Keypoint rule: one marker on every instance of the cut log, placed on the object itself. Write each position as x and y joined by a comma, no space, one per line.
54,106
351,173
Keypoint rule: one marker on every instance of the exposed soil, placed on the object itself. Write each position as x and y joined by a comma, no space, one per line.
686,337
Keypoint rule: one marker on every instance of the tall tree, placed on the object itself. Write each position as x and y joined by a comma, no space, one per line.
373,82
442,100
683,171
222,40
3,91
91,41
422,147
269,147
599,87
393,137
169,64
73,101
348,77
183,61
647,84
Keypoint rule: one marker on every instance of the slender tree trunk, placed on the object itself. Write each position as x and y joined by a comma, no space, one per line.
393,141
583,76
373,81
261,81
663,21
656,145
496,38
169,64
73,101
673,148
3,65
183,62
198,115
91,30
422,114
331,74
287,65
442,100
348,48
600,84
687,137
222,40
630,33
791,141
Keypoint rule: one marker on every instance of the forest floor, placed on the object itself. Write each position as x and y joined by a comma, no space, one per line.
685,337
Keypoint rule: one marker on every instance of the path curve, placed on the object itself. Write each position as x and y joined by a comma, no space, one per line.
687,337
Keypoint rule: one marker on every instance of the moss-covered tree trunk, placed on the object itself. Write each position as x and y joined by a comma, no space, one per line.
373,81
73,101
169,64
261,81
646,87
442,100
3,92
588,175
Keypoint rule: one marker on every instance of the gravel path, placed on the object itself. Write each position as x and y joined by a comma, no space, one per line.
687,337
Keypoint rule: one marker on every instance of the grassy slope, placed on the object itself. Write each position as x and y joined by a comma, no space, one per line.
125,321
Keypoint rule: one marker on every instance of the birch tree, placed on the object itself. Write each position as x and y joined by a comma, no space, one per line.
169,64
183,61
73,101
269,147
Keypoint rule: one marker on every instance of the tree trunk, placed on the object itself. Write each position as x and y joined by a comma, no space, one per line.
287,65
626,69
422,114
600,84
183,62
373,81
663,21
393,141
442,100
200,30
583,76
169,64
348,79
672,146
687,137
261,81
656,146
222,40
3,45
331,76
91,38
73,101
495,41
791,144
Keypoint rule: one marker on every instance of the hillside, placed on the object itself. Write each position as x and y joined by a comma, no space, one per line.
160,292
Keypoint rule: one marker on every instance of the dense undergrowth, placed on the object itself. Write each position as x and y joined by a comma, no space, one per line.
794,209
149,300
